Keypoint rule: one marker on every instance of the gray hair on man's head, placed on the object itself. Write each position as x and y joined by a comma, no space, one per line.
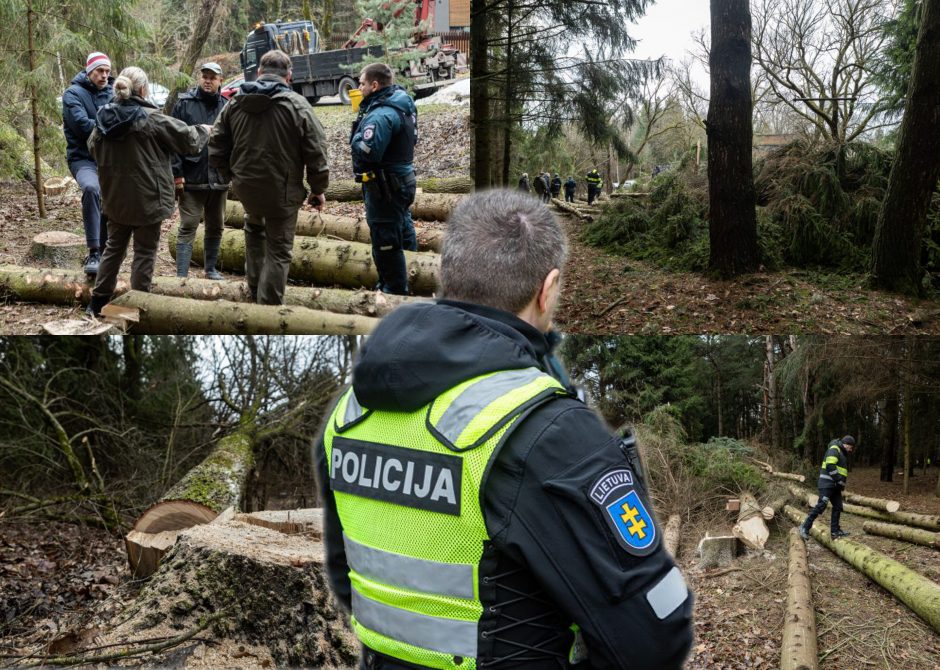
499,247
275,62
131,81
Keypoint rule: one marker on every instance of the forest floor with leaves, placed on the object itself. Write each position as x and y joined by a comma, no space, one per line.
739,613
443,151
609,294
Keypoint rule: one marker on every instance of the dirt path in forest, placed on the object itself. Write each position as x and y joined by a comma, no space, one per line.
609,294
739,615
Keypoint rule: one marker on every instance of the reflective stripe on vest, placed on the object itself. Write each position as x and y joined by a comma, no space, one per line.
834,460
407,490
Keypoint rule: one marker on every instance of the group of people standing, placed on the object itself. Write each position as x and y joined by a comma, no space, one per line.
132,162
547,186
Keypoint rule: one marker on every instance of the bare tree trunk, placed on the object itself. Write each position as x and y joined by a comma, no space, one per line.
732,220
888,437
507,95
896,262
34,111
205,16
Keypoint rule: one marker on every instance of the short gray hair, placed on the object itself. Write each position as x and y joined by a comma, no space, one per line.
499,247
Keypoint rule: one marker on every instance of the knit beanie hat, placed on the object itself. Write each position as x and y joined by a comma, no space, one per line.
96,60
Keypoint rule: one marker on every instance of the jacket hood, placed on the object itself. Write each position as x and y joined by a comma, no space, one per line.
391,96
116,119
421,350
258,96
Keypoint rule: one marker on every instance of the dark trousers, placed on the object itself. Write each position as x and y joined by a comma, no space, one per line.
827,494
593,192
146,241
392,231
569,196
269,244
96,224
196,204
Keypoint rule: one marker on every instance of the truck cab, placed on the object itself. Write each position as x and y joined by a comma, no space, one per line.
295,38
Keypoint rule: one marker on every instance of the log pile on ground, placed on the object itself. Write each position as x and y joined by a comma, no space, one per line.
905,533
325,262
798,649
890,506
345,190
68,287
265,593
920,594
927,521
164,315
578,212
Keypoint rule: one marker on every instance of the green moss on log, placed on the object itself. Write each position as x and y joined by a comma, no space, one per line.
218,482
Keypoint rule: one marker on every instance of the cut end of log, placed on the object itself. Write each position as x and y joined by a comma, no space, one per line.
76,327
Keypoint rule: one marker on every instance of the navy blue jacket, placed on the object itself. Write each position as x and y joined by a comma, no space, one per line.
80,104
555,557
386,132
195,107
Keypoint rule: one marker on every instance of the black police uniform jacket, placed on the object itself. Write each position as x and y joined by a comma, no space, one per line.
554,559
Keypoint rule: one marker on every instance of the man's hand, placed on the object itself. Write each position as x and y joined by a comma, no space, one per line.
178,183
316,200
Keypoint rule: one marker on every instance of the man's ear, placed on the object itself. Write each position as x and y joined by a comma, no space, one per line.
549,285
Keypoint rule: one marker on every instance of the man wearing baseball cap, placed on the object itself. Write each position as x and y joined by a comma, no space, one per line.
201,189
90,90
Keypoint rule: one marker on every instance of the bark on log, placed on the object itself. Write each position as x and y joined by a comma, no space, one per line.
788,475
920,594
905,533
751,528
798,649
270,587
164,315
345,190
890,506
58,249
671,534
71,287
434,206
570,209
354,229
927,521
324,262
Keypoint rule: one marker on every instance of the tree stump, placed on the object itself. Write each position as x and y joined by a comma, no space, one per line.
76,327
57,185
717,552
58,249
269,587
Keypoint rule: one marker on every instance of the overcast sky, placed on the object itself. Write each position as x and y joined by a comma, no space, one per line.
667,28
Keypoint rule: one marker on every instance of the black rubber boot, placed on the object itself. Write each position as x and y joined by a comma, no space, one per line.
96,304
211,258
184,254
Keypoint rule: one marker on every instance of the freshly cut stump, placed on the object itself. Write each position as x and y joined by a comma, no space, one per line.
58,249
717,552
270,587
76,327
57,185
798,650
307,522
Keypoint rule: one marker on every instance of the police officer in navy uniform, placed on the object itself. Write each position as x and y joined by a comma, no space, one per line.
833,474
382,144
459,422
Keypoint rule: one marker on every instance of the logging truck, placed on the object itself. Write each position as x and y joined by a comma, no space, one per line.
318,73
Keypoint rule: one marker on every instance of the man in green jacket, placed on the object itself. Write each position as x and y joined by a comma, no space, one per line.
262,142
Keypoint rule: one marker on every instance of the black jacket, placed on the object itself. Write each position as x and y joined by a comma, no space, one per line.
196,107
554,558
80,103
829,474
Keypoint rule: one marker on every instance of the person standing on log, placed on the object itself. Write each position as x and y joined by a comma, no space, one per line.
90,90
202,191
524,183
475,510
570,186
832,477
382,145
133,144
594,184
556,185
262,142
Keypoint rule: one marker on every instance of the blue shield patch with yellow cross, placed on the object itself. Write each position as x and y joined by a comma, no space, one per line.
630,521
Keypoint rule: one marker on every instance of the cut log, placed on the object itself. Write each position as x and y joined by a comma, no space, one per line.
69,287
164,315
671,535
717,552
920,594
325,262
771,510
927,521
905,533
751,528
354,229
434,206
890,506
571,209
347,189
788,475
58,249
270,589
798,649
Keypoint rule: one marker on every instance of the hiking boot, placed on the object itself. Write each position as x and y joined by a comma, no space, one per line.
92,262
804,531
839,534
184,254
95,305
211,258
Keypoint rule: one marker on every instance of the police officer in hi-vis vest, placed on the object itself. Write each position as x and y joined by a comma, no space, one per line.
832,477
477,513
